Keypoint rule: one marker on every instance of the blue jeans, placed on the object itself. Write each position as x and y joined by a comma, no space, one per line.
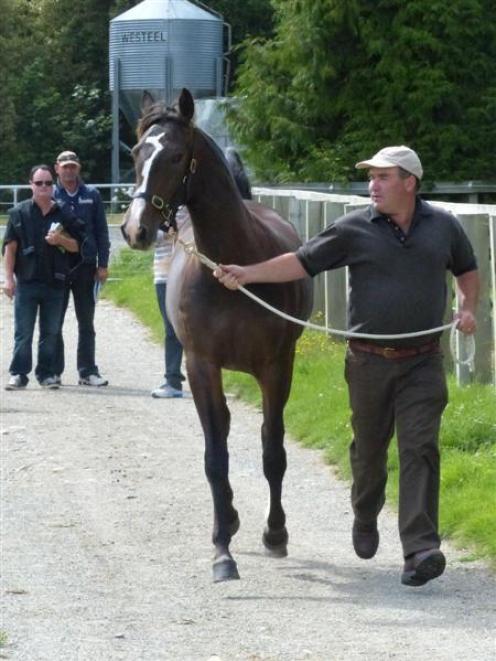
173,348
31,298
81,285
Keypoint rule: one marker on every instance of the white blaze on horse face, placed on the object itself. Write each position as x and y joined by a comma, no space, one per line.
137,206
132,219
147,166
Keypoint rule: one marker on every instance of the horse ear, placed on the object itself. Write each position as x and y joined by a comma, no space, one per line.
147,100
186,104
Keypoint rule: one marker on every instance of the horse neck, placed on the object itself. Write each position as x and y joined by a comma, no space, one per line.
222,225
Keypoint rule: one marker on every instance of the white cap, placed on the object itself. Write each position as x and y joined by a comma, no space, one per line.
391,157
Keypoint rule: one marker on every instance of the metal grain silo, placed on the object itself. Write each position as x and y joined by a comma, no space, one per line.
163,46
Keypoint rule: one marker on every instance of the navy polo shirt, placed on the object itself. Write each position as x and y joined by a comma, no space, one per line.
397,281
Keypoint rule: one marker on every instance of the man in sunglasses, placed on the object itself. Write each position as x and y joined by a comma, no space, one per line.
89,269
38,239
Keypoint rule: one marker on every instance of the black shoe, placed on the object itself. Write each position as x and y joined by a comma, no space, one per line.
365,539
422,567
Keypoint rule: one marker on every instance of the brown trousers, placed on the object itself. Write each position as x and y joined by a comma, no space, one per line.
407,395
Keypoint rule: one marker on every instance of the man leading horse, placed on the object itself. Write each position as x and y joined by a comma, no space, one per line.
398,251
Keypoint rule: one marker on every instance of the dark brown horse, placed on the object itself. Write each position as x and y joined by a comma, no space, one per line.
176,164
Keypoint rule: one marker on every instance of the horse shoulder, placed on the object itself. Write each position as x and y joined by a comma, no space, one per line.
274,225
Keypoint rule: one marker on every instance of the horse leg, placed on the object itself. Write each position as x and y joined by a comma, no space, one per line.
275,383
206,386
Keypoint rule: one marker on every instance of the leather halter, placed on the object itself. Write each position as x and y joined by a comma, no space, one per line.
168,210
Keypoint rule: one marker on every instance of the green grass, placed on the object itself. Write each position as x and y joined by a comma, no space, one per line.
317,414
133,288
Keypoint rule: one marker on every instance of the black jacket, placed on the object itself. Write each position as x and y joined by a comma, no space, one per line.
36,260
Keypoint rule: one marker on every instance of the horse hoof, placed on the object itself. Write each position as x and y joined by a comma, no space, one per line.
225,569
276,543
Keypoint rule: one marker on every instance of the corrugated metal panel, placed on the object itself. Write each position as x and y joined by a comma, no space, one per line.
195,48
144,46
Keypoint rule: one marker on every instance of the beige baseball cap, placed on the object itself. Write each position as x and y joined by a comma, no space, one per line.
66,157
391,157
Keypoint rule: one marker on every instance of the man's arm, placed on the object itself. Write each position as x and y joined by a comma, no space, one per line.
102,238
468,287
101,231
282,268
8,265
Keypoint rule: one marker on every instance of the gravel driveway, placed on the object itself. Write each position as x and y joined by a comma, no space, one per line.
106,524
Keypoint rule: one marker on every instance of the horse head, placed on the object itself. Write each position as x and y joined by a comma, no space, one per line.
163,162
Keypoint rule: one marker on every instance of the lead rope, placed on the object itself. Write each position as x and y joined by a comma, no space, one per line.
468,346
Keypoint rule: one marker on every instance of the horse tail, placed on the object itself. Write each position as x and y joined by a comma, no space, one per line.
239,173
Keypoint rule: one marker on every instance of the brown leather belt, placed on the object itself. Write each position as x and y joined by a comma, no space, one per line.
394,353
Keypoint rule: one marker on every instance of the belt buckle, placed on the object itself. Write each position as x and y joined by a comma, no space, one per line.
389,352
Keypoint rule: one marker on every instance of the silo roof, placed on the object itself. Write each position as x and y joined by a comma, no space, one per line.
166,10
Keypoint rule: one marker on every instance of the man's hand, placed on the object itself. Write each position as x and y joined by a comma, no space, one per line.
54,238
101,274
9,287
466,322
231,276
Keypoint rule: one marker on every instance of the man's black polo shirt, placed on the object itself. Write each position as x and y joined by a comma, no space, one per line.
397,281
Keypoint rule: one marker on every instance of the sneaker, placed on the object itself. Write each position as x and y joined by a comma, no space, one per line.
58,380
50,382
167,392
16,382
93,380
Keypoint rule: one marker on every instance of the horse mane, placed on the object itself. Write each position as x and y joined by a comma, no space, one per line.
239,173
158,113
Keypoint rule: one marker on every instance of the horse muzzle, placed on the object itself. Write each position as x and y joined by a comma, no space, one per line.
137,236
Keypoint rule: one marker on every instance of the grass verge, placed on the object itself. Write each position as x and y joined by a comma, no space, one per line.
317,414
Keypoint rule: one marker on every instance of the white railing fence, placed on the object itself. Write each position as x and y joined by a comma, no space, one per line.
310,212
115,196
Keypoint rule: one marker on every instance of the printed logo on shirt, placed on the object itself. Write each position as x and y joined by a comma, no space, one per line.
85,200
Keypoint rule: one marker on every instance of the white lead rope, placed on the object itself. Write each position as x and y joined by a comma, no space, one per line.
468,348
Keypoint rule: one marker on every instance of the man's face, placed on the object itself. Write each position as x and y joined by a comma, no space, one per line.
388,191
68,173
42,185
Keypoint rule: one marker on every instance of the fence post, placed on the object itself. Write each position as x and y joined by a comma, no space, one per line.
476,226
492,242
336,280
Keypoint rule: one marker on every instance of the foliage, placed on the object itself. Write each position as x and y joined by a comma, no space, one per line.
133,288
342,78
247,19
317,414
55,94
54,78
321,84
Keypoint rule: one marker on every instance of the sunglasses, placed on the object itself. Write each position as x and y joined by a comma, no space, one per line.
43,183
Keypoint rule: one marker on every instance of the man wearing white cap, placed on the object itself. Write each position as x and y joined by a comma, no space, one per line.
88,268
397,251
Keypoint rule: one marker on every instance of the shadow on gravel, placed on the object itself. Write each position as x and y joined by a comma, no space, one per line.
441,603
104,391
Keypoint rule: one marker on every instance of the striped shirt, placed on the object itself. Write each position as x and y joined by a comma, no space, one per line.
164,248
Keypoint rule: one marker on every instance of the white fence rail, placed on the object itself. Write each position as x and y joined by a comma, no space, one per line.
310,212
115,196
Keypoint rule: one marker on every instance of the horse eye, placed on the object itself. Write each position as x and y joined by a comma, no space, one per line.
176,158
